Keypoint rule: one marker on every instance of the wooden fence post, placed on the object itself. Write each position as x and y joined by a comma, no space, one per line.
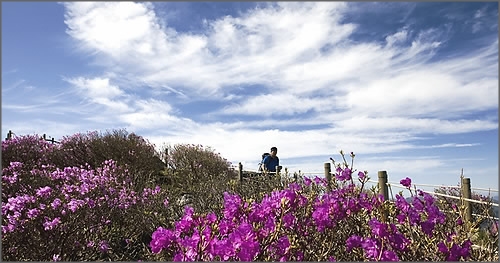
328,175
240,171
328,172
466,193
382,184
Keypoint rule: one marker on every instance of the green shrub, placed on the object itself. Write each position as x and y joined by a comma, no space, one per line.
196,175
128,150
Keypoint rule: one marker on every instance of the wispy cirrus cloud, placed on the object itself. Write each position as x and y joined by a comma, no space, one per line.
100,92
304,58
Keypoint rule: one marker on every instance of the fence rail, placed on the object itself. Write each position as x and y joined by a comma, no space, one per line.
432,185
10,135
444,195
444,186
456,186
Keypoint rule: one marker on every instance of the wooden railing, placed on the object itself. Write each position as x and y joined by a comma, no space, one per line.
384,185
10,135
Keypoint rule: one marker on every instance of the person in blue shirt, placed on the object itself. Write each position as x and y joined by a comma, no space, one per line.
271,161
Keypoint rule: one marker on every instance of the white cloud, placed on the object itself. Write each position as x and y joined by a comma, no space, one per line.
117,107
479,13
412,125
413,166
352,86
100,91
52,128
423,92
13,86
96,87
153,114
276,104
278,34
278,46
398,37
454,145
114,28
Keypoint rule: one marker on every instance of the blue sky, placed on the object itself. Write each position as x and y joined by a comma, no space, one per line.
411,88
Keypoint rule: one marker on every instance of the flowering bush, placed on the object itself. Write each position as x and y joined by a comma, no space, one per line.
52,210
484,229
30,150
301,223
76,214
72,213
